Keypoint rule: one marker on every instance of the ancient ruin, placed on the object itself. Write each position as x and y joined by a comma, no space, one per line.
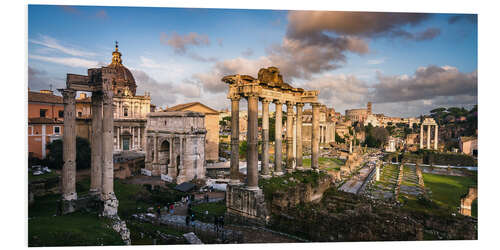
245,199
466,201
429,122
176,145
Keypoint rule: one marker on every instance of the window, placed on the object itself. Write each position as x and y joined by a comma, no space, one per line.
79,114
43,112
61,113
125,111
57,130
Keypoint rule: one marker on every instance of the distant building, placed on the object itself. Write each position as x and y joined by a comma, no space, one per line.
371,119
211,125
326,125
45,121
468,145
359,115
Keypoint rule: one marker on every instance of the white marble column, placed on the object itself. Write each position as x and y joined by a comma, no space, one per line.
299,134
436,137
421,136
277,138
235,140
265,138
69,146
96,144
108,195
133,137
252,141
428,137
289,136
315,136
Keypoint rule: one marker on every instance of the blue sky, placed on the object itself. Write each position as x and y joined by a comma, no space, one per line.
407,64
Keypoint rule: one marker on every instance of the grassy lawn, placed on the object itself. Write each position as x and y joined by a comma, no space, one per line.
86,229
32,177
214,209
325,163
447,190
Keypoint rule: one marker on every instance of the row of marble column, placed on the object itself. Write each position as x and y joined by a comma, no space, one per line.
134,143
101,181
252,138
429,136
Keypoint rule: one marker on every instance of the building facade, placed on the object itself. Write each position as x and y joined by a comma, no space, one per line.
129,110
211,125
45,121
175,145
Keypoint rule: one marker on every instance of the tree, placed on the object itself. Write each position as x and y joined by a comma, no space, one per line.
338,139
55,155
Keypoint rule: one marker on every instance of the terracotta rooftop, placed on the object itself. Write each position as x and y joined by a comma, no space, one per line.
184,106
45,98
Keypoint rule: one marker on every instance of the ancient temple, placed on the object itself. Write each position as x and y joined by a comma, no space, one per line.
244,200
129,110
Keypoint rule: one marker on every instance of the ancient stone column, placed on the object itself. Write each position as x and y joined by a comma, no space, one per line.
155,148
277,138
435,137
69,146
315,136
289,136
252,141
421,136
108,195
235,140
299,134
265,138
96,145
428,137
377,173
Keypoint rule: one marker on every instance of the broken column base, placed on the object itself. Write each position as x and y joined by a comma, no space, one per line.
245,206
109,205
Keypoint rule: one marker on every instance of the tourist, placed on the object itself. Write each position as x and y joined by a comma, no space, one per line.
221,221
216,223
192,219
206,197
172,208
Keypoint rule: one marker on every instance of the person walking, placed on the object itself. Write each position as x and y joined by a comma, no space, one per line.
221,221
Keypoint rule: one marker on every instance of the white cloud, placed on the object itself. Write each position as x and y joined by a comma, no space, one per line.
68,61
52,43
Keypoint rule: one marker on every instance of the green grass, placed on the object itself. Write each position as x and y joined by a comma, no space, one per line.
447,190
284,182
214,209
324,162
80,229
32,177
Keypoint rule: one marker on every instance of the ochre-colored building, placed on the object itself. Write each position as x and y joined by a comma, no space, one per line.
211,124
45,121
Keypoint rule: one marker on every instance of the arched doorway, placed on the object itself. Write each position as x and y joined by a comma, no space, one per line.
164,153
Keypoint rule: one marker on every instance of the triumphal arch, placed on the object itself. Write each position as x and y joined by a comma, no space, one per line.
245,199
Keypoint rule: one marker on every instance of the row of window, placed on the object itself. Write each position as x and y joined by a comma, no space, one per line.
55,130
43,113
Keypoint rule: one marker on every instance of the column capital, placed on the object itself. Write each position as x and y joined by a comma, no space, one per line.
277,101
235,97
290,103
299,104
265,100
68,93
316,105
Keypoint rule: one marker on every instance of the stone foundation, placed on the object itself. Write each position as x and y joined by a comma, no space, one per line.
245,205
109,205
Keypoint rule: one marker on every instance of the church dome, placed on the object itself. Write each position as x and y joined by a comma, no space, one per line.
123,81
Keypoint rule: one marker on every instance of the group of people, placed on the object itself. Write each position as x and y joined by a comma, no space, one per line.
218,223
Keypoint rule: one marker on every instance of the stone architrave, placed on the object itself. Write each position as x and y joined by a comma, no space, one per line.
69,146
235,140
278,148
265,138
315,136
289,136
252,139
299,135
96,144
